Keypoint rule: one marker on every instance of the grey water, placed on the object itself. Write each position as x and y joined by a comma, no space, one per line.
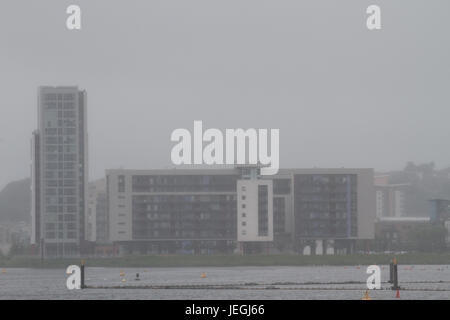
286,283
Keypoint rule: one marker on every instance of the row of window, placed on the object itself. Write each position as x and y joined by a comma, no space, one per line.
53,105
60,131
243,214
61,183
60,226
60,209
170,183
58,96
69,235
61,191
60,174
62,123
60,165
60,200
60,140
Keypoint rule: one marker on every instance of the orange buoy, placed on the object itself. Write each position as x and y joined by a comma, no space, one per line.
366,296
203,275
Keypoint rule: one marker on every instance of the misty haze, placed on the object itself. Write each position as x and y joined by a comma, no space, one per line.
355,137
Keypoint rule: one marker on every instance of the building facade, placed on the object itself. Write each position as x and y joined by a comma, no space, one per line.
96,220
333,208
202,211
393,233
390,198
60,172
254,210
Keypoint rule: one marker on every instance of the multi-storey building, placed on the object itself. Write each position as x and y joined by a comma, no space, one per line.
96,221
59,171
172,210
216,210
390,198
254,210
332,208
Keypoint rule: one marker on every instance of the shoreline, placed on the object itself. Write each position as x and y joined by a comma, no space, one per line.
183,261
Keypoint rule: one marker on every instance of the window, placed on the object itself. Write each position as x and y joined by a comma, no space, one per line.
244,214
69,131
71,235
69,114
244,223
121,183
71,226
50,226
68,96
50,235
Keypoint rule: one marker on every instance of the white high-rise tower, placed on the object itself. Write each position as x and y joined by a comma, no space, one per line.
59,171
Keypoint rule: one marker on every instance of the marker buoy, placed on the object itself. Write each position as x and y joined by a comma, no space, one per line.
3,270
398,294
203,275
366,296
122,274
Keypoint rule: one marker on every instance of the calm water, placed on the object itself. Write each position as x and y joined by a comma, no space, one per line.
17,283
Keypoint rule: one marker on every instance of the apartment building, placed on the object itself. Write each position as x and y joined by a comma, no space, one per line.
224,210
59,172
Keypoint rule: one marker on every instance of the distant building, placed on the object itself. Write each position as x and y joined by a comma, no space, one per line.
219,210
101,216
390,198
439,211
447,237
14,234
4,235
168,211
254,210
96,222
59,172
440,215
5,240
333,208
391,233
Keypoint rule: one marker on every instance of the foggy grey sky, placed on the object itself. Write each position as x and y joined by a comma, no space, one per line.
341,95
